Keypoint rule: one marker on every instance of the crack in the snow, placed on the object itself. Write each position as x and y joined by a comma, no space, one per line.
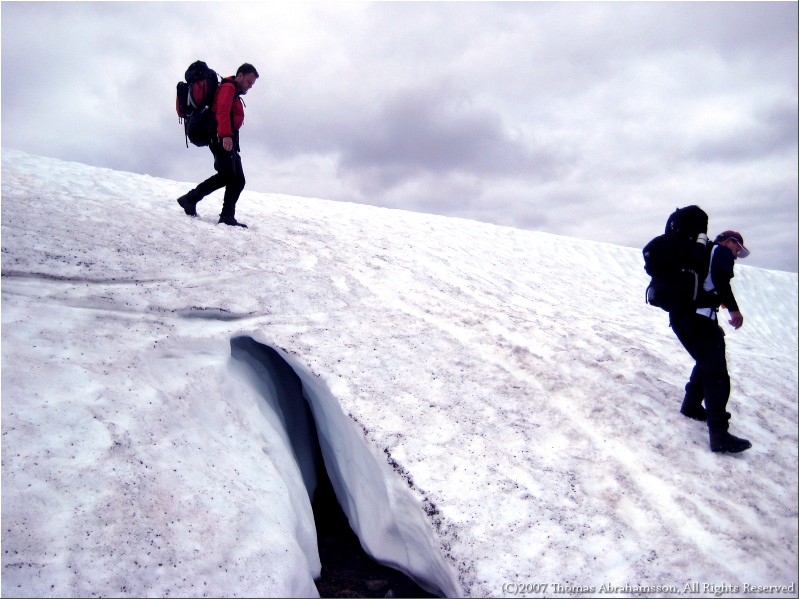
18,274
330,453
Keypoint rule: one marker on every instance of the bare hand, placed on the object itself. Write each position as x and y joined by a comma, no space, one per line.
227,143
736,319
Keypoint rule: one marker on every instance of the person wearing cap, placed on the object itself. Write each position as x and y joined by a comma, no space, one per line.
703,338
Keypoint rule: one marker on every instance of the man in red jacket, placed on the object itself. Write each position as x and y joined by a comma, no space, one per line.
229,111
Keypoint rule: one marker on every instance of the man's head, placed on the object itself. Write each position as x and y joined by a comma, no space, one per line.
245,77
734,241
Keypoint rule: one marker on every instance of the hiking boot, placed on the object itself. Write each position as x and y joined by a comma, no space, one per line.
188,203
725,442
697,412
229,220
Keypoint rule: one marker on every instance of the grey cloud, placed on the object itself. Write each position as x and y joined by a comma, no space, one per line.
769,131
435,130
413,133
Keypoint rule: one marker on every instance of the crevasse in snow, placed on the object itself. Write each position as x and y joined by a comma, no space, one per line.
388,520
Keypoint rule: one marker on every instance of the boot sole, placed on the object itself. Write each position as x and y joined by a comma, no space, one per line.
699,417
727,449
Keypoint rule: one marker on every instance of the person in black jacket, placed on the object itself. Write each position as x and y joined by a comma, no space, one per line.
703,338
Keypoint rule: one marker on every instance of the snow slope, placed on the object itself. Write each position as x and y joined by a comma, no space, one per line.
501,405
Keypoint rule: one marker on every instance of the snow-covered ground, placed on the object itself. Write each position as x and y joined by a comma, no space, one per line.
499,408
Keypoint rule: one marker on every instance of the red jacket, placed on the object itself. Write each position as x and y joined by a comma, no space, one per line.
228,108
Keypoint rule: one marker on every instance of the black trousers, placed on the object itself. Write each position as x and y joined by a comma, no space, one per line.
704,340
229,175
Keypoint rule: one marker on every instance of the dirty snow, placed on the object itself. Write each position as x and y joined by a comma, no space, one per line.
501,404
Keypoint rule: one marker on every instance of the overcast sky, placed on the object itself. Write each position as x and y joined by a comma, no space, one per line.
592,120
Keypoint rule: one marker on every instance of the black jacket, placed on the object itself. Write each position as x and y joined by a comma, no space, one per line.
722,262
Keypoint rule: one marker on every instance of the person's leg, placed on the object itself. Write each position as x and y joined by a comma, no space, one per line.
235,184
713,362
683,325
217,181
694,395
704,341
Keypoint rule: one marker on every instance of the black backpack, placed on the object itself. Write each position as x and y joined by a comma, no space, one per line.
678,263
195,98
